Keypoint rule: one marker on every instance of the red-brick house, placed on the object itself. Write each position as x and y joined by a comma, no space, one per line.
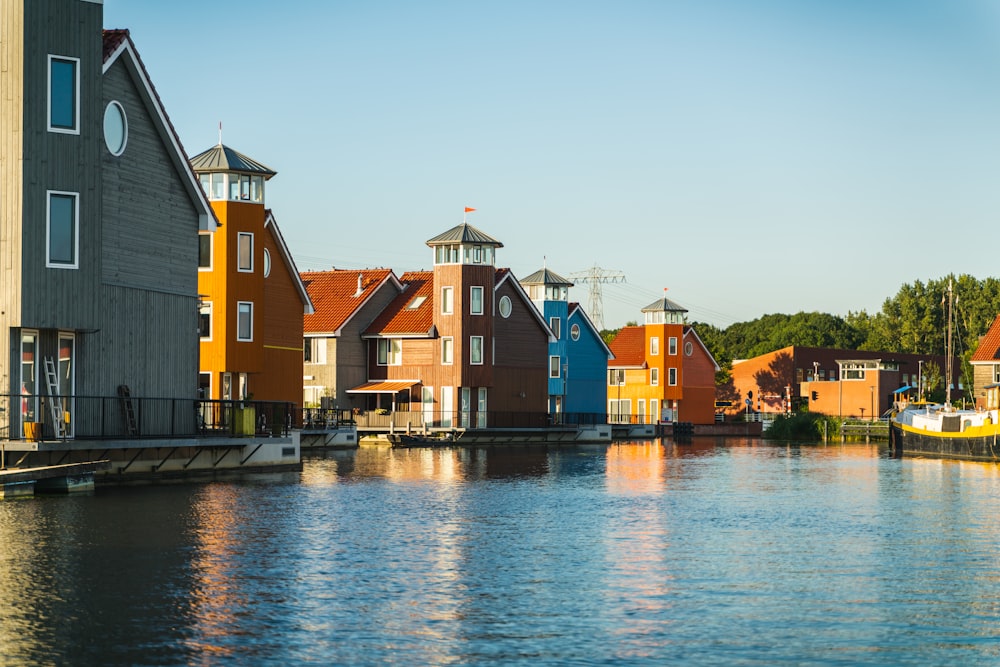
462,345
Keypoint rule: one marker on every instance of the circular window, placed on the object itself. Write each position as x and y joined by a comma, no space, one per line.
688,349
267,263
574,332
115,128
505,306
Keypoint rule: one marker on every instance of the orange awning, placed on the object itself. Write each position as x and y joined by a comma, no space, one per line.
383,387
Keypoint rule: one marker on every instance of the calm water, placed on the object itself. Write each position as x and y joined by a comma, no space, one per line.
726,552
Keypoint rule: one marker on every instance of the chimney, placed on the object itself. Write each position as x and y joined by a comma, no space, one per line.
358,293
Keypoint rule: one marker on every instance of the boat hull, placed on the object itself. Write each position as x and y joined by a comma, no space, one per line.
981,446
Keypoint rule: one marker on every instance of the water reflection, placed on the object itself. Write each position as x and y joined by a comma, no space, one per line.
709,551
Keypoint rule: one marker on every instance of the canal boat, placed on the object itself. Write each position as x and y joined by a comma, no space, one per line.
943,430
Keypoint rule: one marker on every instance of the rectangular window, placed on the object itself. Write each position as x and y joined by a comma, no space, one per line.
447,300
654,410
257,188
616,376
555,323
672,345
64,94
476,350
554,366
672,377
204,252
314,350
244,321
218,186
390,352
205,320
447,350
481,409
62,231
654,346
476,301
244,249
641,411
654,376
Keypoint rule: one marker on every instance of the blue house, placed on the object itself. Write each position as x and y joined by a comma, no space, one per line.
578,356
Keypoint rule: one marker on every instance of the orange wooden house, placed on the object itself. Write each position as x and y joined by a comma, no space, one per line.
662,371
252,298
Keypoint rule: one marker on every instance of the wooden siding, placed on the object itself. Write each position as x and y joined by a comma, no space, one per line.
150,224
281,331
11,120
61,298
587,381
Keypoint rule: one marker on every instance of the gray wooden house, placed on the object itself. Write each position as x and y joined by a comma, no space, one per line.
99,222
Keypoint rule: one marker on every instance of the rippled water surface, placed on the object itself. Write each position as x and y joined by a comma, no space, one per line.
728,552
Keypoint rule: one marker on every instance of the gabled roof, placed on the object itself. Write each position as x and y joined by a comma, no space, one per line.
464,233
575,309
545,277
336,298
117,45
689,331
629,348
989,346
223,158
664,304
408,315
271,223
505,275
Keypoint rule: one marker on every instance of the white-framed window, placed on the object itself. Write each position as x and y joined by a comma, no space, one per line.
616,376
390,352
574,332
244,321
447,300
672,377
205,242
447,350
476,350
654,346
505,306
640,408
654,376
314,350
115,128
554,366
205,320
244,252
481,409
476,300
654,410
672,345
64,95
62,233
619,410
267,262
555,323
688,349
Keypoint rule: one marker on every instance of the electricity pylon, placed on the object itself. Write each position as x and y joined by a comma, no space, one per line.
595,276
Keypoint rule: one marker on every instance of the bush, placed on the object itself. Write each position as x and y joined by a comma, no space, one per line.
802,426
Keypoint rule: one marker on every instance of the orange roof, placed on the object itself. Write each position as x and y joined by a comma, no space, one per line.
629,348
989,345
335,295
383,387
408,314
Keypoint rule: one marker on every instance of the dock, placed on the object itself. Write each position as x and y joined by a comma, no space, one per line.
64,478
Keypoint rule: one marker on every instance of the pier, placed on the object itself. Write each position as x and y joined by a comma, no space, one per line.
65,478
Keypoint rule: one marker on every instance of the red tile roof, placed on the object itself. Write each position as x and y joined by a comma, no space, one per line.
335,297
404,316
112,40
989,345
629,348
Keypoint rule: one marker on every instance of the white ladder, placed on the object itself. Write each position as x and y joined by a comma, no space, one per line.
55,404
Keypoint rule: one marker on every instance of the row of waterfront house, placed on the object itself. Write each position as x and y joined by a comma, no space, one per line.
148,295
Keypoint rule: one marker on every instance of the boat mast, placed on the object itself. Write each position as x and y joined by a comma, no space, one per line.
948,357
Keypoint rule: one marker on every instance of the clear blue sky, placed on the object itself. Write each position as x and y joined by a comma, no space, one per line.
754,156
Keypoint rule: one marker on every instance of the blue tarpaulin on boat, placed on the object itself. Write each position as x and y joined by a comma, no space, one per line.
902,389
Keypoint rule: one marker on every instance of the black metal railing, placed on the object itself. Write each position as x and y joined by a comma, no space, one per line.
31,416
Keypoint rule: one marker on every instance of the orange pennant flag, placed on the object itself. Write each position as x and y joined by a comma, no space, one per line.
469,210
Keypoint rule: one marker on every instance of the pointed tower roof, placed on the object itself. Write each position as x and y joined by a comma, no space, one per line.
545,277
464,233
223,158
665,305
